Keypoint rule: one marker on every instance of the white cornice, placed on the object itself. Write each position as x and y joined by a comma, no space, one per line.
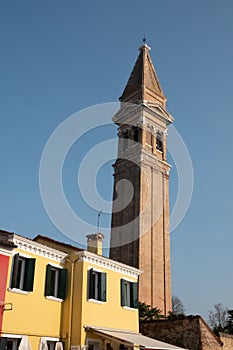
159,112
99,260
33,247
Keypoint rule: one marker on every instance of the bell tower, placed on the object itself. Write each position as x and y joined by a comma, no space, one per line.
140,234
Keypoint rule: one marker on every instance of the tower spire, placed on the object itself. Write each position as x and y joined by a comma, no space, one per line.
143,83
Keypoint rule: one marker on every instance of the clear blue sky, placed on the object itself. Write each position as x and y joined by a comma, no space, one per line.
58,57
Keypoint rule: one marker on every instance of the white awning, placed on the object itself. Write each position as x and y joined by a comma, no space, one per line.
132,338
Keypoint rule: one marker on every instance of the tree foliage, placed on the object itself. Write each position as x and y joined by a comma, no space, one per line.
148,313
229,325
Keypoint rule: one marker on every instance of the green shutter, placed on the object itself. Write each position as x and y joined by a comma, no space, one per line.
123,296
62,283
15,271
47,291
29,274
134,295
102,296
3,341
90,284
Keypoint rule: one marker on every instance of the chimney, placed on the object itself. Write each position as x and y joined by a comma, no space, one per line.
94,243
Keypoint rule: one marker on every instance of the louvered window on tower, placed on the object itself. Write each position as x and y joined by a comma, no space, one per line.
96,285
129,294
23,273
159,144
55,282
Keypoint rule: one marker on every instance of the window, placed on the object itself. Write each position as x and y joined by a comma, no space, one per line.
9,343
159,144
129,294
55,283
125,140
23,273
136,134
97,285
94,344
51,344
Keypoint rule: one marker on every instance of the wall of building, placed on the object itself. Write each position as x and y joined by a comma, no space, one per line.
4,261
32,313
227,341
38,316
191,333
109,314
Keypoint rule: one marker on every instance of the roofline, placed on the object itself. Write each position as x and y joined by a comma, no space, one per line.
25,243
215,336
108,263
67,245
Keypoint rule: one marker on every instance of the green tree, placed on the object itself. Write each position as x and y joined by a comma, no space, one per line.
148,313
229,324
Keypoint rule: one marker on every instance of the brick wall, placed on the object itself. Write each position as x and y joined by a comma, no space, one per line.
191,333
227,341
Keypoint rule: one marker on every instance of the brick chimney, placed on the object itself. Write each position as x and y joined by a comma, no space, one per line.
95,243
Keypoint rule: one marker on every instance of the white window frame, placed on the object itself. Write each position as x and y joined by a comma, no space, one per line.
19,290
127,293
95,273
55,269
22,272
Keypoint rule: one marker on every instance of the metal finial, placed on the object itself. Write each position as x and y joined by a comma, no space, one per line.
144,39
98,220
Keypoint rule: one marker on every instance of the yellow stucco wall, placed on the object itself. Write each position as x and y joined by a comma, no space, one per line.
36,316
32,314
109,314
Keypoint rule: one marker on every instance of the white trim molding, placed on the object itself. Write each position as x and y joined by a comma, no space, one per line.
48,297
109,264
33,247
9,335
18,291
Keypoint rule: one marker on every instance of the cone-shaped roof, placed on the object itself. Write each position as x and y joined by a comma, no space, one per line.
143,84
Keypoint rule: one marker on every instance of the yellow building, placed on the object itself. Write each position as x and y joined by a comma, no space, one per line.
103,294
60,297
35,289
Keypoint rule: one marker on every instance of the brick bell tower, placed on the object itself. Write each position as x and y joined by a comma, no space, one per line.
140,234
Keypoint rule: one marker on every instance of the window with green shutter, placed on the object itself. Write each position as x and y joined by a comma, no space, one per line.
97,285
129,294
23,273
3,342
8,343
55,282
